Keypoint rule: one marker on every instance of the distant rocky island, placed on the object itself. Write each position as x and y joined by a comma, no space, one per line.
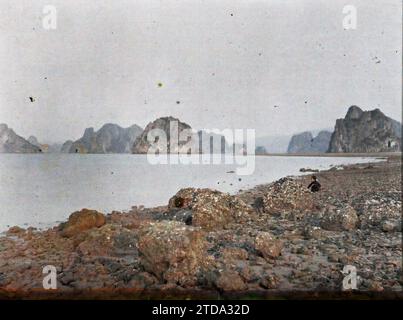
198,142
111,138
359,132
10,142
45,147
366,131
272,144
305,142
141,145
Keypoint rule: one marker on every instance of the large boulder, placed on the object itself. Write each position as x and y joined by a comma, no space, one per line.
185,198
339,219
80,221
229,281
110,240
211,209
15,231
231,254
391,225
288,196
173,252
268,246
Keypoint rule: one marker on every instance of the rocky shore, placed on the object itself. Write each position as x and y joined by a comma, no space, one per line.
276,240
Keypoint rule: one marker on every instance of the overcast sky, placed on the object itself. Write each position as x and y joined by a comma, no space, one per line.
222,64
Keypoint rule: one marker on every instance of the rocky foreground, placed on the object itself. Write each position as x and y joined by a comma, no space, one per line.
274,240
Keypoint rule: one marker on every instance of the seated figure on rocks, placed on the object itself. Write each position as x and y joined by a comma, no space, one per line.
258,205
314,186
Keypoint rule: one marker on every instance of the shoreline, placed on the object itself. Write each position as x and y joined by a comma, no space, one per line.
307,255
339,154
42,225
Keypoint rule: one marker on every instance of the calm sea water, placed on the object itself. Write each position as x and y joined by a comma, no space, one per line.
42,190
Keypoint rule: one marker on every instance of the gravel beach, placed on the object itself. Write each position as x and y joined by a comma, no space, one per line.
275,240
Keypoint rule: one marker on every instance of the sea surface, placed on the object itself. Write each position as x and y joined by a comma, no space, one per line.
42,190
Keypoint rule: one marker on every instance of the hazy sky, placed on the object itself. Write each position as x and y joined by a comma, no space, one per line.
227,63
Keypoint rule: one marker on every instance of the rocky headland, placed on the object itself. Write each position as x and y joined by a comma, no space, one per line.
366,131
274,240
10,142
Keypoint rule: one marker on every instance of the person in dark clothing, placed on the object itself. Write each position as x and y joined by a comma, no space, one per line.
314,186
258,205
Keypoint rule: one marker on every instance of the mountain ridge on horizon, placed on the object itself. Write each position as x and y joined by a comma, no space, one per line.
112,138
